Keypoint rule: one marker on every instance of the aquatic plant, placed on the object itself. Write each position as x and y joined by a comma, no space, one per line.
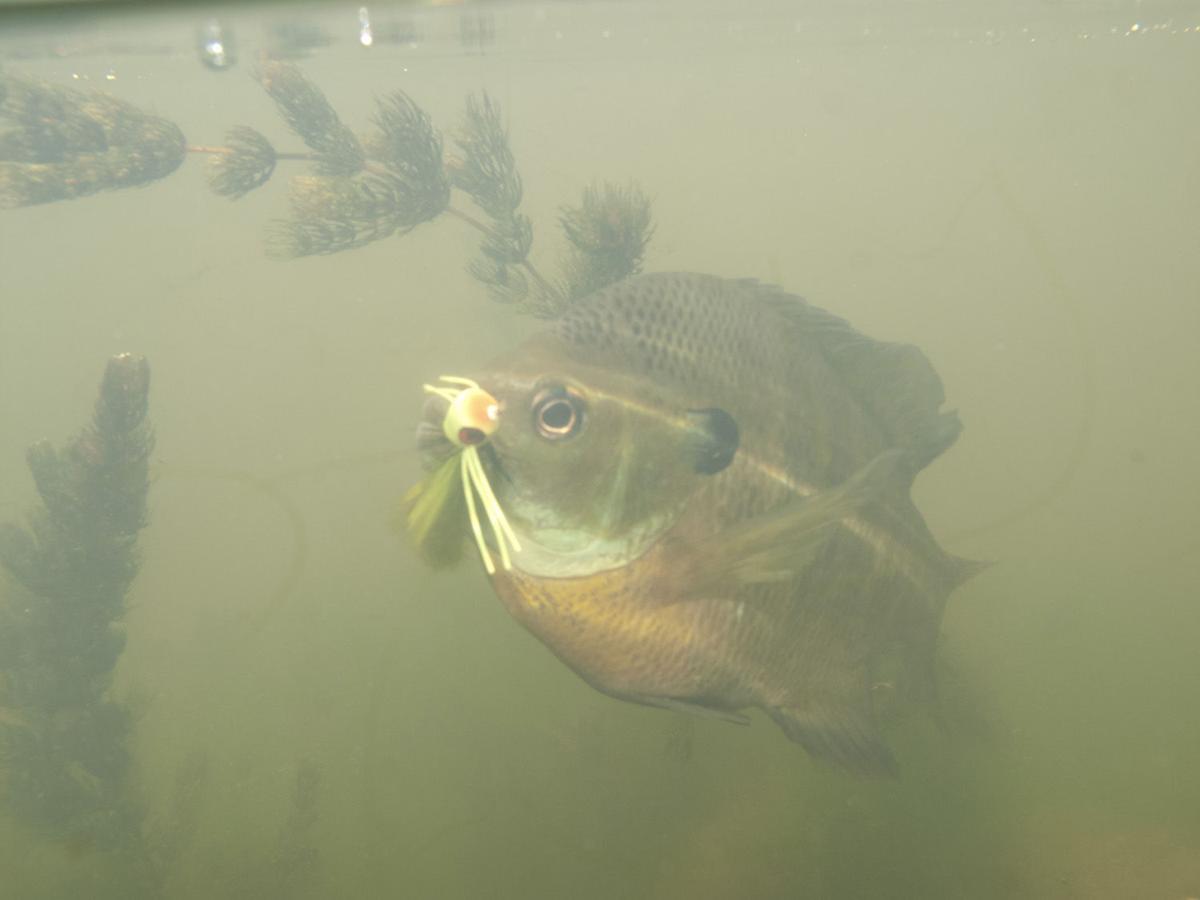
359,192
59,144
307,112
487,173
65,743
608,232
245,163
398,176
66,764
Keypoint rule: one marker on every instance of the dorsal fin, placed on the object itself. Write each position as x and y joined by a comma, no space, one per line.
894,382
648,323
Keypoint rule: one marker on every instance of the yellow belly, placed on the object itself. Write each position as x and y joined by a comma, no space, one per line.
609,629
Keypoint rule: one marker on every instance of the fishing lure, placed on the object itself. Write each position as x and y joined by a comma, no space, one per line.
473,416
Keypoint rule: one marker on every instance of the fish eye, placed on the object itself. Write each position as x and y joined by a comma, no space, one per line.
557,413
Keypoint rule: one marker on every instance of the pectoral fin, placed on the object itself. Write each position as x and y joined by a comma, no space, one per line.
778,545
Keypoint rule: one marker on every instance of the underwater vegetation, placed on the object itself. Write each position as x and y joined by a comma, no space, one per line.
58,143
400,175
67,769
61,144
64,745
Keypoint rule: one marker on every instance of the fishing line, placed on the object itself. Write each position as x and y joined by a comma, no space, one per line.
267,489
271,489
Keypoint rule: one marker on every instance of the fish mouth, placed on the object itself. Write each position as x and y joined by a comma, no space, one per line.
434,447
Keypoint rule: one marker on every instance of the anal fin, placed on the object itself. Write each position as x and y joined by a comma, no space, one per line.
842,736
690,707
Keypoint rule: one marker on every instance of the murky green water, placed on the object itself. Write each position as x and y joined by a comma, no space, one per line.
318,716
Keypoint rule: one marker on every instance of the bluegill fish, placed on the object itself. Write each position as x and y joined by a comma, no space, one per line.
697,490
